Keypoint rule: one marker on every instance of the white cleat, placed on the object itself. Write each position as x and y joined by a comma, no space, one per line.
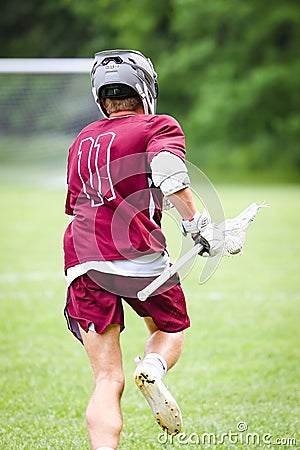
164,407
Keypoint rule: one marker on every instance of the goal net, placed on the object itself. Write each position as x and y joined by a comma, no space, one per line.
44,103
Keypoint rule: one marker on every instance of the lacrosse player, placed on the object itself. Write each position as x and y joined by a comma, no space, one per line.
119,170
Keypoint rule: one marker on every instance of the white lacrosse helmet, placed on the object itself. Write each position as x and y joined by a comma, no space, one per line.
124,73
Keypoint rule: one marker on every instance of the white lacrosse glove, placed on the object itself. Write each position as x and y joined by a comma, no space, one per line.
201,226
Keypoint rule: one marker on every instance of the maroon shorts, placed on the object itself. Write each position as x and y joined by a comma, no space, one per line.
88,302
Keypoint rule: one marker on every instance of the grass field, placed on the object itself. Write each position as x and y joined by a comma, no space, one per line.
241,359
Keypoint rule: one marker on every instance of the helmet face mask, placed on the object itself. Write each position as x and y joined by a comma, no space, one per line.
123,73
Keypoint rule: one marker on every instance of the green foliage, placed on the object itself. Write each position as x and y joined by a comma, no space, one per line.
228,70
243,82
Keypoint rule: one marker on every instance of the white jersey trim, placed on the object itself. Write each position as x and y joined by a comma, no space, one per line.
143,266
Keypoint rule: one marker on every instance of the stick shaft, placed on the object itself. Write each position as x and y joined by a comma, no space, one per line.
168,273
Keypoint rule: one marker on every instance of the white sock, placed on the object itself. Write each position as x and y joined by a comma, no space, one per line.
157,363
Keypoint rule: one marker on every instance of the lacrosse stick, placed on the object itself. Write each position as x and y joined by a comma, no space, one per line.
234,233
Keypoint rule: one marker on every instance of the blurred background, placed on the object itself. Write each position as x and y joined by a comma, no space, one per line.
229,71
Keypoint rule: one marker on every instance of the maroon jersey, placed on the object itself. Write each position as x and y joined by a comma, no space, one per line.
116,206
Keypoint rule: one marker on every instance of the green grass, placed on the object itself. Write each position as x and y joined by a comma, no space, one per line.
241,356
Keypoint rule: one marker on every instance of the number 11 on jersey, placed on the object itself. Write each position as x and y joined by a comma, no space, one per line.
94,168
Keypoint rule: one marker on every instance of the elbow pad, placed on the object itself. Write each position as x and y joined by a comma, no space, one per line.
169,173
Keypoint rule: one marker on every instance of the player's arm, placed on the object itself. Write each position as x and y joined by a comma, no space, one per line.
184,203
170,173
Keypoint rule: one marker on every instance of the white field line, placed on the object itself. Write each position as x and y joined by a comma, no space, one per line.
249,296
30,276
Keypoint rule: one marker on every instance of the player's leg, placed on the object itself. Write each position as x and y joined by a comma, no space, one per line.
162,351
168,345
96,317
167,319
104,418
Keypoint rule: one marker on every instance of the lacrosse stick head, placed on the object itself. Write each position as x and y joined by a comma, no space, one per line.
235,229
234,243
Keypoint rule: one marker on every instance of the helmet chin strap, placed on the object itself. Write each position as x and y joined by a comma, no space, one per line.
144,99
148,99
95,95
97,101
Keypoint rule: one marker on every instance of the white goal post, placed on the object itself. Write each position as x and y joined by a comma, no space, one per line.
45,65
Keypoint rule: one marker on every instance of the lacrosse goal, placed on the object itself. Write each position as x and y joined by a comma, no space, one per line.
44,103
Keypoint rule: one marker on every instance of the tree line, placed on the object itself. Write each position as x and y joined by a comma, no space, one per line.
228,70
